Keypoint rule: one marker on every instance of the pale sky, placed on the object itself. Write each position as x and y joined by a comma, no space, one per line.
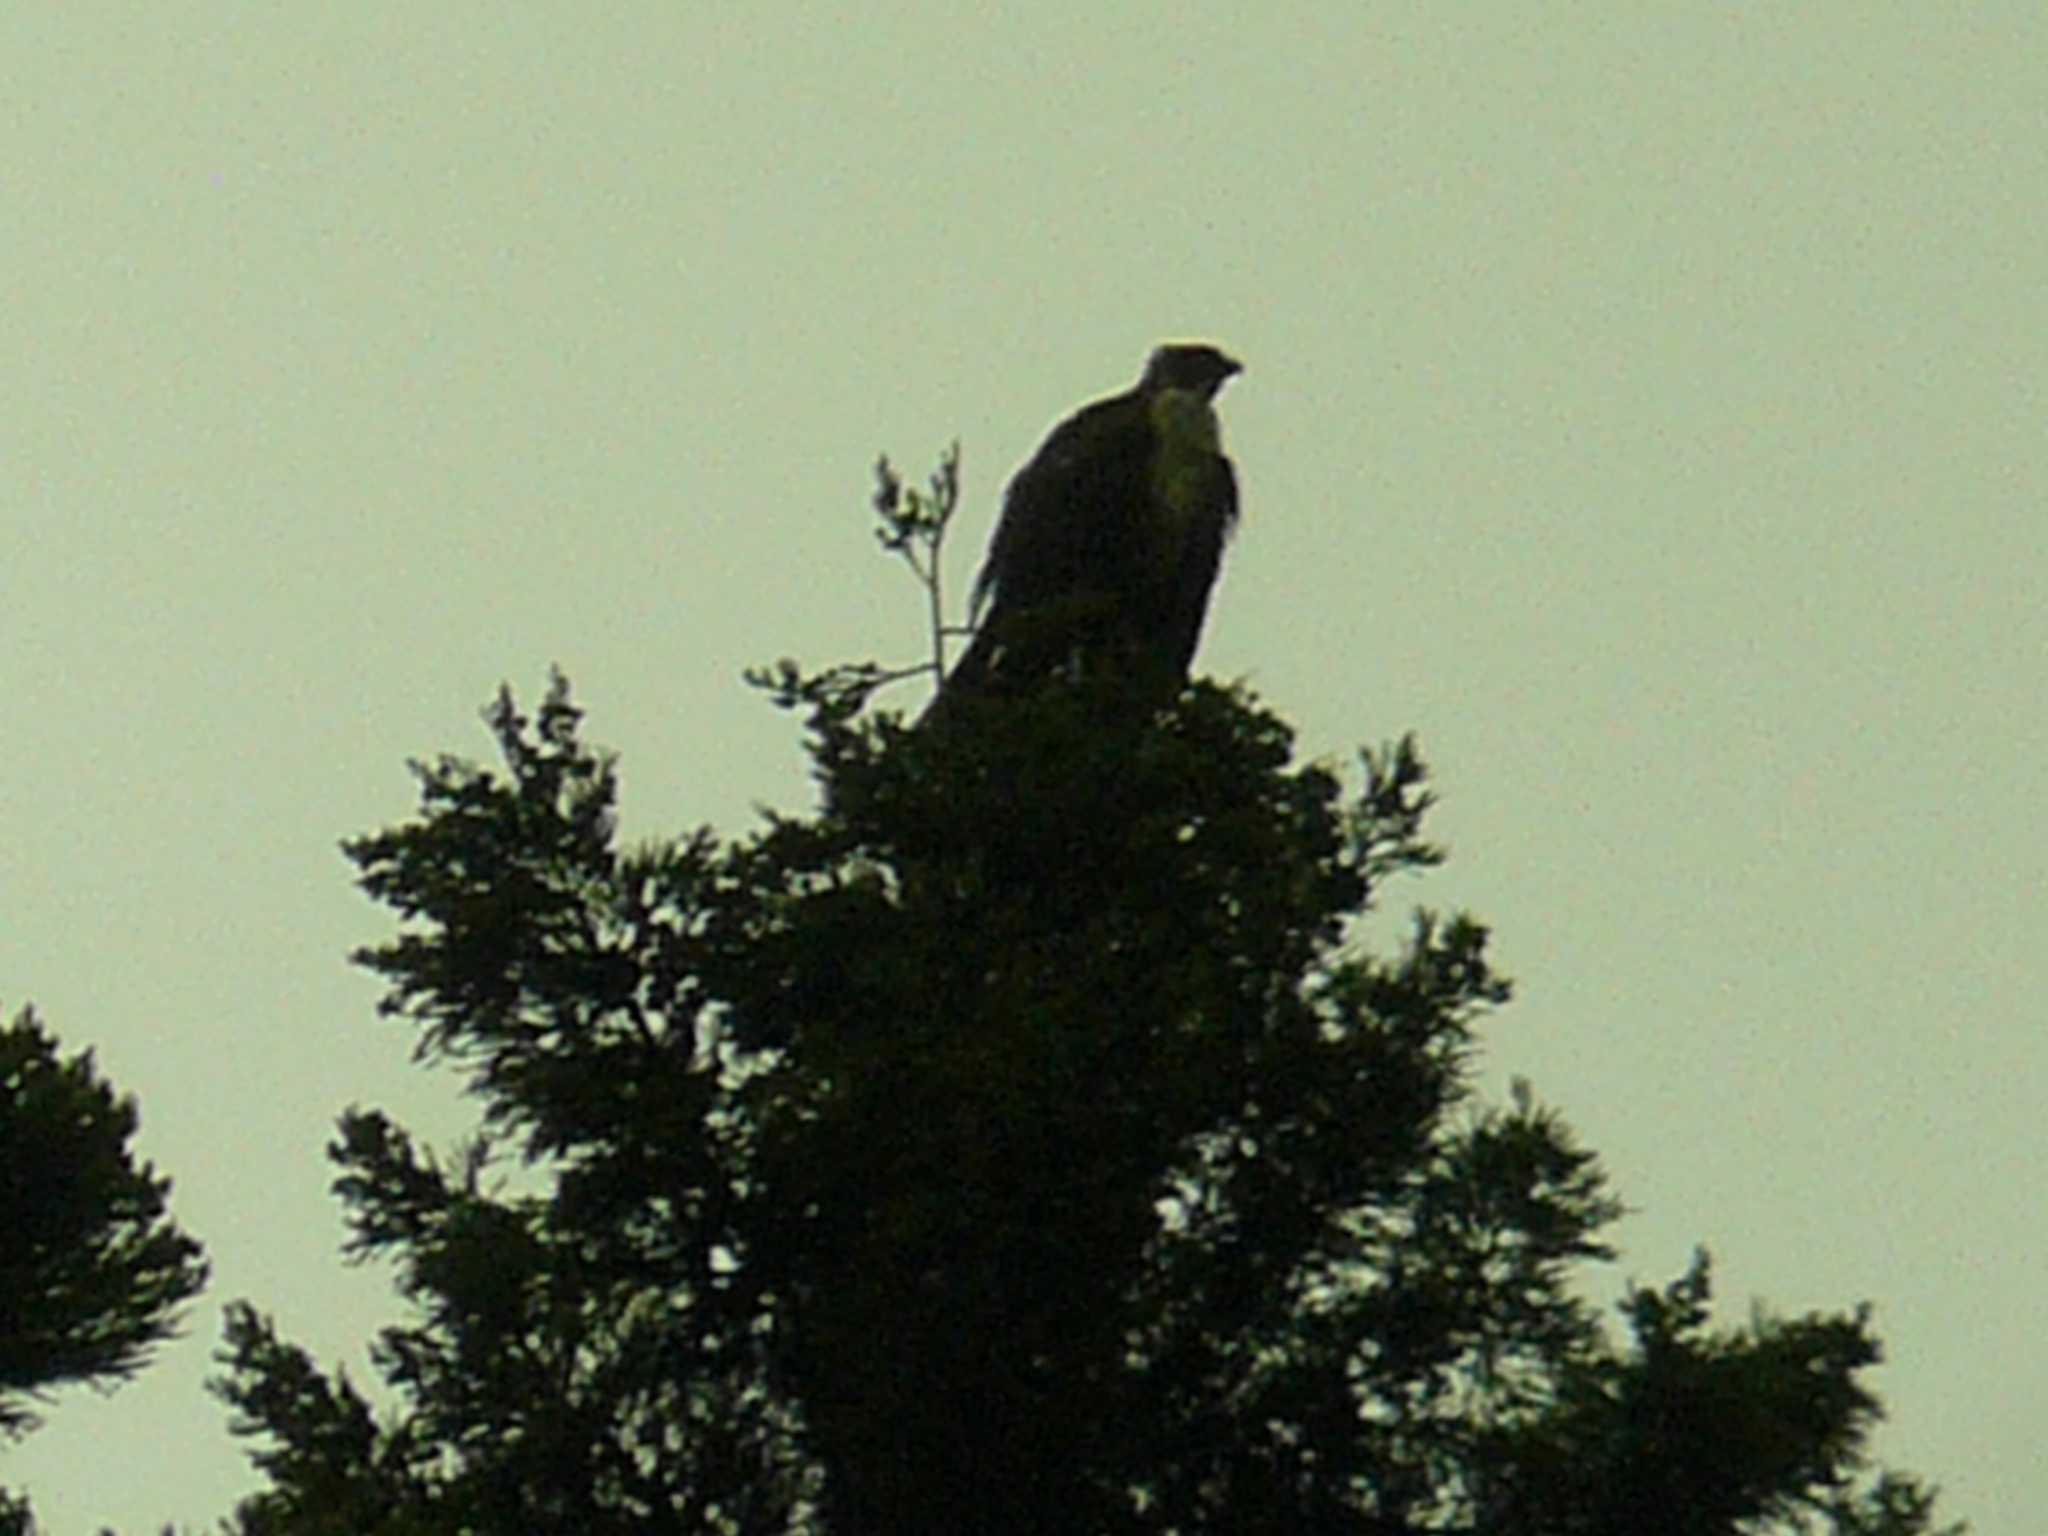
1644,403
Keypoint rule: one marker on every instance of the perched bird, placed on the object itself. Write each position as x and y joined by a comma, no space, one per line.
1110,537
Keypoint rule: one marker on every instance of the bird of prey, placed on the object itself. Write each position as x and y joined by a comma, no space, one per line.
1110,537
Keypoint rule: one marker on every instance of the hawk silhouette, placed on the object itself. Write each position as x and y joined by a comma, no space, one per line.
1110,537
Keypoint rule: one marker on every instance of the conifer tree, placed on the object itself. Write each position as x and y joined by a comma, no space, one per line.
1024,1141
92,1268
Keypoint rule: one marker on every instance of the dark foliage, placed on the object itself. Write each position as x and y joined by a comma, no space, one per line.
1019,1144
92,1268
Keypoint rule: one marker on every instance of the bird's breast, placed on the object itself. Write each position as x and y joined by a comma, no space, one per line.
1188,441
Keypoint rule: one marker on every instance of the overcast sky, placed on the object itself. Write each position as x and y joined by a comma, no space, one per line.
1644,403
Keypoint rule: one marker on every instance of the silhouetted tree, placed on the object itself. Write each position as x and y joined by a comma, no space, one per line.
92,1268
1023,1142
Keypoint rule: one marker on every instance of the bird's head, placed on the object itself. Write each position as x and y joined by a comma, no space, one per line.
1194,366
